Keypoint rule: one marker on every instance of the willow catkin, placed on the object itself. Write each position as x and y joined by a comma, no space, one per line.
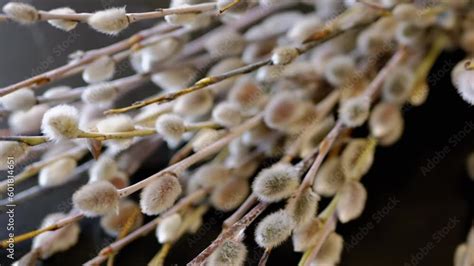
171,127
306,236
115,124
27,122
63,24
384,119
276,183
274,229
57,173
105,168
101,69
95,199
331,250
110,21
21,12
355,111
302,207
230,252
160,195
61,122
22,99
329,178
230,195
114,222
470,165
11,150
211,175
351,202
357,158
50,243
169,229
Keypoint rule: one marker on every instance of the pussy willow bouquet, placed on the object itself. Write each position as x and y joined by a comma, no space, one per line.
259,100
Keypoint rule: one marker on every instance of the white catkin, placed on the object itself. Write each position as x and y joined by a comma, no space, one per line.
194,104
22,99
50,243
284,55
306,236
105,168
113,223
329,178
274,229
355,111
225,43
57,173
21,12
276,183
303,207
61,122
174,79
230,194
351,201
330,252
231,252
171,127
63,24
100,93
168,229
27,122
463,80
110,21
211,175
357,158
227,114
159,52
9,150
116,123
101,69
95,199
160,195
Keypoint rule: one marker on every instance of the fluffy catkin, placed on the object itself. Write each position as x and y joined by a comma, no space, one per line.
27,122
21,12
171,127
169,228
195,104
231,252
116,123
101,69
307,235
212,175
274,229
463,80
63,24
276,183
357,158
227,114
302,207
351,202
384,119
61,122
105,168
57,173
110,21
22,99
230,195
329,178
11,150
160,195
50,243
355,111
95,199
114,222
100,93
330,252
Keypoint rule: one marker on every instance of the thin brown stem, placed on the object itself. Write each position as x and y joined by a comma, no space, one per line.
229,233
201,84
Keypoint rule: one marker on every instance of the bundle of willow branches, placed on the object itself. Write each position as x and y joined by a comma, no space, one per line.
284,86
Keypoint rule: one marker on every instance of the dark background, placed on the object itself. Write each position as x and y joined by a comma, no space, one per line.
412,216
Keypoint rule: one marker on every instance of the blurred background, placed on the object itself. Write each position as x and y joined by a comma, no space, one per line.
420,199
